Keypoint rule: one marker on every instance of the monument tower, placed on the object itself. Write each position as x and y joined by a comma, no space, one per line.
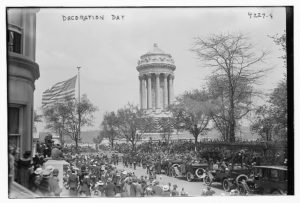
156,75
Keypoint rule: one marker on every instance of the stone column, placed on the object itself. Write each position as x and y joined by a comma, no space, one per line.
157,91
165,91
149,94
144,95
172,89
141,91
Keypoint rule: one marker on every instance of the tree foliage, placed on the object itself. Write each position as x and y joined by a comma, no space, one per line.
271,120
62,118
234,62
132,124
109,127
191,112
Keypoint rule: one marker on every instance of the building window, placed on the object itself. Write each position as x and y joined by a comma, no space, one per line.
14,126
14,39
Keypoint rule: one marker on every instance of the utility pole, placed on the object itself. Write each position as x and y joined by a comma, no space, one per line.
79,116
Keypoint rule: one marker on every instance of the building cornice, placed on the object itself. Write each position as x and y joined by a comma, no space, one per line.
22,61
155,65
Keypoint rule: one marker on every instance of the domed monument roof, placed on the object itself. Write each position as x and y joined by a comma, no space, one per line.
155,50
156,56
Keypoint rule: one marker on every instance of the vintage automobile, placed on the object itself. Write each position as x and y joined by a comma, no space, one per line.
192,170
230,177
265,180
166,165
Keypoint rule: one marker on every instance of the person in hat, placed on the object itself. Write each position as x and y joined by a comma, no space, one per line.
73,183
157,190
208,191
11,166
35,179
53,183
166,191
44,186
110,188
24,165
138,188
85,186
174,192
183,193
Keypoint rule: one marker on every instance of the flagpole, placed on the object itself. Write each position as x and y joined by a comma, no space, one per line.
79,116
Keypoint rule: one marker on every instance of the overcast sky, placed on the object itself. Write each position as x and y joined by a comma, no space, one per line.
108,50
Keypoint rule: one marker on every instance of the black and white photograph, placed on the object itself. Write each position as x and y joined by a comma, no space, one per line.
149,101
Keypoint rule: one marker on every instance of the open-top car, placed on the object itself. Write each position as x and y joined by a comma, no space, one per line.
266,180
229,177
193,170
167,165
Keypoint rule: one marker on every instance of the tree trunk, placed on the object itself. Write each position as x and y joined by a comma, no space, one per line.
231,117
112,143
133,146
196,141
76,143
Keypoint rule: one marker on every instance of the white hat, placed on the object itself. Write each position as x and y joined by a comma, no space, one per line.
38,171
99,183
165,188
49,168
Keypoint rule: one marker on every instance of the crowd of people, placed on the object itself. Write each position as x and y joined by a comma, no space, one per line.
90,173
97,175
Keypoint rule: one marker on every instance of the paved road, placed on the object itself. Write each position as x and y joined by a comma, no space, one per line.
192,188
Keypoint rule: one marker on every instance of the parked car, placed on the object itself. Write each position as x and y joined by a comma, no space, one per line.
229,177
168,164
266,180
193,170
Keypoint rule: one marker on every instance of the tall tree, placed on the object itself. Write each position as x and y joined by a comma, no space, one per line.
109,127
62,118
234,60
273,116
220,103
132,124
263,124
191,112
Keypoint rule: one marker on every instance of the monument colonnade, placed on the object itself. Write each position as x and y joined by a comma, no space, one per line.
146,88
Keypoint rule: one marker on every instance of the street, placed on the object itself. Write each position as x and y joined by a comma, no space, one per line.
192,188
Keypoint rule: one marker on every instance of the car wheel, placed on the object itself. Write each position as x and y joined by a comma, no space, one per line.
240,178
200,173
226,185
207,180
189,177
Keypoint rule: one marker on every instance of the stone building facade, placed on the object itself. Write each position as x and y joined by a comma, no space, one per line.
22,73
156,76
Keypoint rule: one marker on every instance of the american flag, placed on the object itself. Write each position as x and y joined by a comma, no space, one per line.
59,91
